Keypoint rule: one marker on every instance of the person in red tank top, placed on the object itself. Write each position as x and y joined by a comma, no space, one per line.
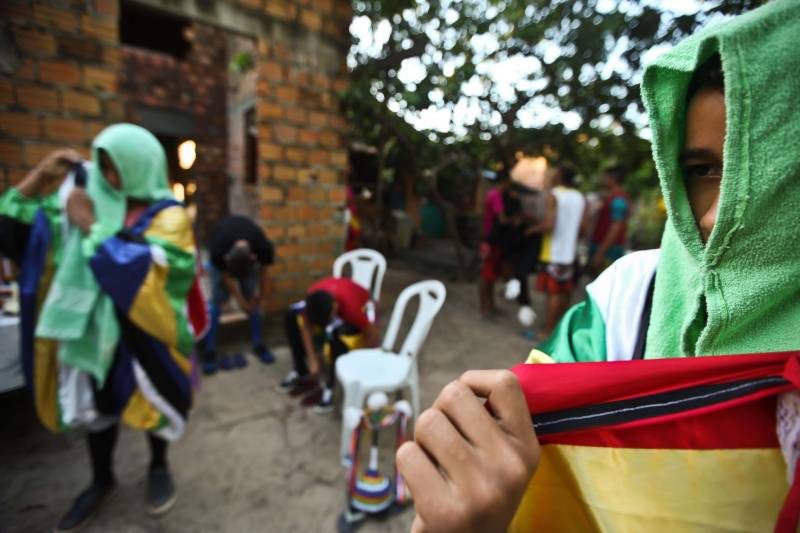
335,314
608,238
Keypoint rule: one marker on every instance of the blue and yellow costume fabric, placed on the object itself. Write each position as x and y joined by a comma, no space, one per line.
105,327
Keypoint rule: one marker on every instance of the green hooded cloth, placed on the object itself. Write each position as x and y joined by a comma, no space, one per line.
739,292
76,312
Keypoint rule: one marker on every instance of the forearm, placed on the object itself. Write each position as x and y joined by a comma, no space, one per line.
308,346
235,290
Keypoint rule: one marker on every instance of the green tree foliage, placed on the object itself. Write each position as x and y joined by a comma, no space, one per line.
586,58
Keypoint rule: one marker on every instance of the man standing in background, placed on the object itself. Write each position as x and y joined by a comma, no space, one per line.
240,259
608,239
562,224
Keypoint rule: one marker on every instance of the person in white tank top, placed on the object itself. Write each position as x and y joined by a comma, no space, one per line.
563,221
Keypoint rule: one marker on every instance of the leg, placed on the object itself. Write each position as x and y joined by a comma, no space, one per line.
293,337
337,348
249,287
101,450
553,310
158,451
101,445
218,297
296,382
161,493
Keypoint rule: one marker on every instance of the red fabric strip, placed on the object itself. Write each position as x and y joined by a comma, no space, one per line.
746,422
789,518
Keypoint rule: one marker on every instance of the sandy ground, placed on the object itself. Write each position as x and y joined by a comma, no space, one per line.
252,459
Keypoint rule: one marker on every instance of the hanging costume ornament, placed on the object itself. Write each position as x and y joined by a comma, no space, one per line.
370,492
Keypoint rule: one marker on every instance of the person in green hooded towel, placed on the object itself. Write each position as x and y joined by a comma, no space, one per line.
108,265
726,279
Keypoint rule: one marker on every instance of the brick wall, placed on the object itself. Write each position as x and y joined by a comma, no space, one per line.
302,145
59,86
196,87
57,79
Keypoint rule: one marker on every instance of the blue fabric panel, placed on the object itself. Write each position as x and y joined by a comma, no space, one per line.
33,266
120,267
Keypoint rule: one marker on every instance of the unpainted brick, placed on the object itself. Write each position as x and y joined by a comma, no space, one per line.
271,194
37,97
81,103
281,9
59,72
285,134
296,155
6,92
106,7
64,129
270,152
53,18
97,78
311,19
35,41
19,124
10,153
35,152
79,47
103,29
284,173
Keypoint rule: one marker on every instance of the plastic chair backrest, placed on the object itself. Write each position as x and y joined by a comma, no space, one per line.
432,294
365,264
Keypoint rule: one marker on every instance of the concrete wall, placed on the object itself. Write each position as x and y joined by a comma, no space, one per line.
60,68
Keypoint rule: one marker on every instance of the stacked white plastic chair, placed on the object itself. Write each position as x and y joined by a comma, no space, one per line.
362,372
367,268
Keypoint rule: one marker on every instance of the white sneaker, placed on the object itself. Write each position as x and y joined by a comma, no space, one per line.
526,316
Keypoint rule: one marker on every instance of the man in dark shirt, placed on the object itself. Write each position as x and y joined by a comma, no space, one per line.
335,313
240,259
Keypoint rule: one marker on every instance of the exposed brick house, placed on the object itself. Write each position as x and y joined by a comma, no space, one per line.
270,139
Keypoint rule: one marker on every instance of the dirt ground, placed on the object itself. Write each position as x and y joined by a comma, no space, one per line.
252,459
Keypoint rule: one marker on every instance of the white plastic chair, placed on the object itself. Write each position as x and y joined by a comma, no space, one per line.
365,265
362,372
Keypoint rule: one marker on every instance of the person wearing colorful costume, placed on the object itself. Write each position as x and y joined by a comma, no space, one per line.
725,282
108,271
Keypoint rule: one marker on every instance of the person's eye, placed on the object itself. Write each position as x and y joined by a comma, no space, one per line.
702,171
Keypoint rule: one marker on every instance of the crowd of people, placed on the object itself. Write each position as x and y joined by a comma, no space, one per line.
528,232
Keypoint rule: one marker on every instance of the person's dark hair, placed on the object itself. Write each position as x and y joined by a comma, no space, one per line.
503,175
708,76
239,261
618,172
567,174
319,307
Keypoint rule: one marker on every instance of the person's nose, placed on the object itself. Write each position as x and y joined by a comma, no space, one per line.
710,218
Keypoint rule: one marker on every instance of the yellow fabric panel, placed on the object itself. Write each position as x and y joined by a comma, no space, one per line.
140,413
45,386
183,362
353,342
151,310
173,225
547,243
537,357
585,489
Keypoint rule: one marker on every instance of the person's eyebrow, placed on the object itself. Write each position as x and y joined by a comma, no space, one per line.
697,153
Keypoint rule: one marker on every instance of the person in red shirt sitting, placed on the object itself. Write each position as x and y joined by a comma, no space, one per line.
333,316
